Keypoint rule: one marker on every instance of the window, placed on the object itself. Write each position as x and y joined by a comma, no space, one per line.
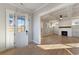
11,23
21,24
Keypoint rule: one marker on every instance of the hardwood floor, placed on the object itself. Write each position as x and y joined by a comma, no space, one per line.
69,44
51,45
34,50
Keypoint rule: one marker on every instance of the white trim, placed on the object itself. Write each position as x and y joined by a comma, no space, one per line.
40,7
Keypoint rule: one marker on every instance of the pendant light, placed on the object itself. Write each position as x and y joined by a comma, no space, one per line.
61,17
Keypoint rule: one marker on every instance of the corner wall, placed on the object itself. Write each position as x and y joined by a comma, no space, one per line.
36,29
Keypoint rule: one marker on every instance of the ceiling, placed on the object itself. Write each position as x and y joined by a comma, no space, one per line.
55,15
70,11
31,7
37,7
34,7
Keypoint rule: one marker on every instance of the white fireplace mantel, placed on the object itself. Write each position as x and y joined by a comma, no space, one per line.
69,31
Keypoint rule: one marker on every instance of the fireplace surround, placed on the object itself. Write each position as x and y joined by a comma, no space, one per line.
65,31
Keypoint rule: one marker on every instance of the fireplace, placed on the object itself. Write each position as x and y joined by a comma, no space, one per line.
64,33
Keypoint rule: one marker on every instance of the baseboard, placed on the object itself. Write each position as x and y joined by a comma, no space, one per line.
36,42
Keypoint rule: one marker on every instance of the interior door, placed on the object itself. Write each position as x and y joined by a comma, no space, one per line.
21,33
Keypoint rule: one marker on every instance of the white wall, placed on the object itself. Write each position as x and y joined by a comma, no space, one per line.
36,29
2,29
49,27
56,29
75,27
65,22
30,36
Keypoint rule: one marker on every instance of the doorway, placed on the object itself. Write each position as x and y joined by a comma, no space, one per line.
16,29
21,31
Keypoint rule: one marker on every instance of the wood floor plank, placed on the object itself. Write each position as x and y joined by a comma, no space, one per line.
51,45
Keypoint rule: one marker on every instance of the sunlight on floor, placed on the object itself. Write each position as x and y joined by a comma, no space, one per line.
59,46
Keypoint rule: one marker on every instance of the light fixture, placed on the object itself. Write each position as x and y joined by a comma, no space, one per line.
21,4
61,17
